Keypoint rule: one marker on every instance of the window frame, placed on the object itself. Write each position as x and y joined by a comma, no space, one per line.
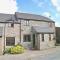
11,25
26,23
27,38
10,42
50,24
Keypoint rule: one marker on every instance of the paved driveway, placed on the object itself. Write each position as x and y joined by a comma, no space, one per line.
50,54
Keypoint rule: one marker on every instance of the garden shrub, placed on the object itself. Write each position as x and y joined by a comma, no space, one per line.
7,50
17,49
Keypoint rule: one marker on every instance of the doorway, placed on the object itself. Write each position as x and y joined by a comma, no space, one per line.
33,40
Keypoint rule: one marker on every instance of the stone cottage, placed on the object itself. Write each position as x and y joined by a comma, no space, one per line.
30,30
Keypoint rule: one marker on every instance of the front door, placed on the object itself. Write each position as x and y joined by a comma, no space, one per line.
33,40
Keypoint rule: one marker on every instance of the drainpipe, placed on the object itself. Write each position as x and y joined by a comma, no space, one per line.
4,38
39,39
20,30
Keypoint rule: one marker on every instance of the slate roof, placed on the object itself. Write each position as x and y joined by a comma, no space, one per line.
38,29
4,17
26,16
13,17
7,18
32,17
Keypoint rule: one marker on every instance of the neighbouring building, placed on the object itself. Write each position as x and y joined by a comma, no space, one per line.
57,35
30,30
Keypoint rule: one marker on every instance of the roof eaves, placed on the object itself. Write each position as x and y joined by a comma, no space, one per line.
46,19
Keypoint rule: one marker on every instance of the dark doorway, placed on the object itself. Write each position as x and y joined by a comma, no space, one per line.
33,40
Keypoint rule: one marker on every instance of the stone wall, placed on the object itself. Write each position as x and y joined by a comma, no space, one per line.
47,43
39,43
15,32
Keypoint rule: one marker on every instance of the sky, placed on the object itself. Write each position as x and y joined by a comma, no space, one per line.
48,8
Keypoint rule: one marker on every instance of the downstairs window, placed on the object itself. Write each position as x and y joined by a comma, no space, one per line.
10,41
27,38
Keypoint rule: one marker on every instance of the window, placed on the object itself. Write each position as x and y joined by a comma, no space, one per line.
26,22
49,37
12,24
42,37
10,41
50,24
27,38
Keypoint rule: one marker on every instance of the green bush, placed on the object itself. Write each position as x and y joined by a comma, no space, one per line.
17,49
7,50
19,45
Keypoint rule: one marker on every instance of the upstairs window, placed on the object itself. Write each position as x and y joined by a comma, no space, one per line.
12,24
50,24
26,22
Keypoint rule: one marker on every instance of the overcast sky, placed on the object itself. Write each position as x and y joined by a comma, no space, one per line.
48,8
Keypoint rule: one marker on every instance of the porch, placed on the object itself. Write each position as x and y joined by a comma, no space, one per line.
42,38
